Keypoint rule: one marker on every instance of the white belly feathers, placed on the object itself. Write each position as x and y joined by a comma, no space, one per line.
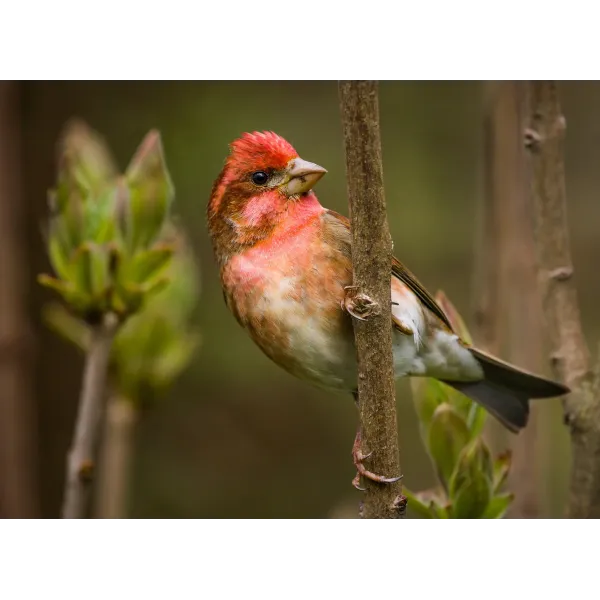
434,352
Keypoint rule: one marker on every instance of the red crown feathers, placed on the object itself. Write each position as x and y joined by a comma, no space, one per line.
260,150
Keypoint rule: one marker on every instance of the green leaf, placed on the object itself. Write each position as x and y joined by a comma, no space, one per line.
100,217
126,299
67,215
59,255
460,402
69,327
90,274
78,301
86,156
54,284
101,277
147,265
155,287
476,420
150,193
448,435
440,511
428,394
474,460
501,469
472,499
81,268
427,504
498,506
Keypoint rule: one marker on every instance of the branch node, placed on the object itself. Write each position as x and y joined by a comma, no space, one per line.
561,273
399,504
555,359
358,304
560,126
86,471
532,139
361,510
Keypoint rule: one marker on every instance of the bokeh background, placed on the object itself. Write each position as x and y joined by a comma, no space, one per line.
238,437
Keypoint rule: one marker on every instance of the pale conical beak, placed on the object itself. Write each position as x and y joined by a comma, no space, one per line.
302,176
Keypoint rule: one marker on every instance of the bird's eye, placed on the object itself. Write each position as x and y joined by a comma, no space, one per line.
260,178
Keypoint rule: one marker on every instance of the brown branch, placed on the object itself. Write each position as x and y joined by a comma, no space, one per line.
486,269
372,259
513,324
18,485
570,356
81,459
115,462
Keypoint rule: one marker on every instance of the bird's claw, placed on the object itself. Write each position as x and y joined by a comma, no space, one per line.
358,457
358,304
356,483
364,472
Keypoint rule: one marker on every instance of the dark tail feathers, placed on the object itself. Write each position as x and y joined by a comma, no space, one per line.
506,390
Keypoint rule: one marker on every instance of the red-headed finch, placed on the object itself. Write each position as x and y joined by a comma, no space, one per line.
285,262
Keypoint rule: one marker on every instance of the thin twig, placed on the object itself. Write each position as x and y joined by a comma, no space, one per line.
81,459
116,458
372,260
569,358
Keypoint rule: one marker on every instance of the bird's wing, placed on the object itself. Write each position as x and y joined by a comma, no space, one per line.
398,270
404,275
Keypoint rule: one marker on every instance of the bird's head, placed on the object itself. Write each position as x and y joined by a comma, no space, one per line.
262,177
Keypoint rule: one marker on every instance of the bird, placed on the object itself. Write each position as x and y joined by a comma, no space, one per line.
285,264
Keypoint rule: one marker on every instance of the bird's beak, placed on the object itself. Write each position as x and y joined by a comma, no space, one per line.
302,176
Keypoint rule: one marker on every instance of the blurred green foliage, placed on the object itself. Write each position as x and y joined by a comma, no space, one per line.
470,481
154,345
105,238
115,248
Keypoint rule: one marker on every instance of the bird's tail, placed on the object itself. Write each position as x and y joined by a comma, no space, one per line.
506,390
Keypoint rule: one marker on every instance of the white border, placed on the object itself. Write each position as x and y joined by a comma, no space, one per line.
290,560
70,39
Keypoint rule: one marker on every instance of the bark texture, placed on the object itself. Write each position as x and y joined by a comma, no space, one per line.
569,358
371,296
81,461
18,481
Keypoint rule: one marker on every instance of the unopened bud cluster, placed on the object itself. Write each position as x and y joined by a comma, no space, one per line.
115,249
105,230
470,480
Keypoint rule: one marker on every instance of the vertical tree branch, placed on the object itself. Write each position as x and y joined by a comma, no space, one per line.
18,485
485,289
570,357
372,260
115,462
81,459
513,320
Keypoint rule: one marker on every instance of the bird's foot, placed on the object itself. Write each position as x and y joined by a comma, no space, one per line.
358,304
358,456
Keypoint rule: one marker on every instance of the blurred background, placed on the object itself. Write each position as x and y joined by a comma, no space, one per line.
238,437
